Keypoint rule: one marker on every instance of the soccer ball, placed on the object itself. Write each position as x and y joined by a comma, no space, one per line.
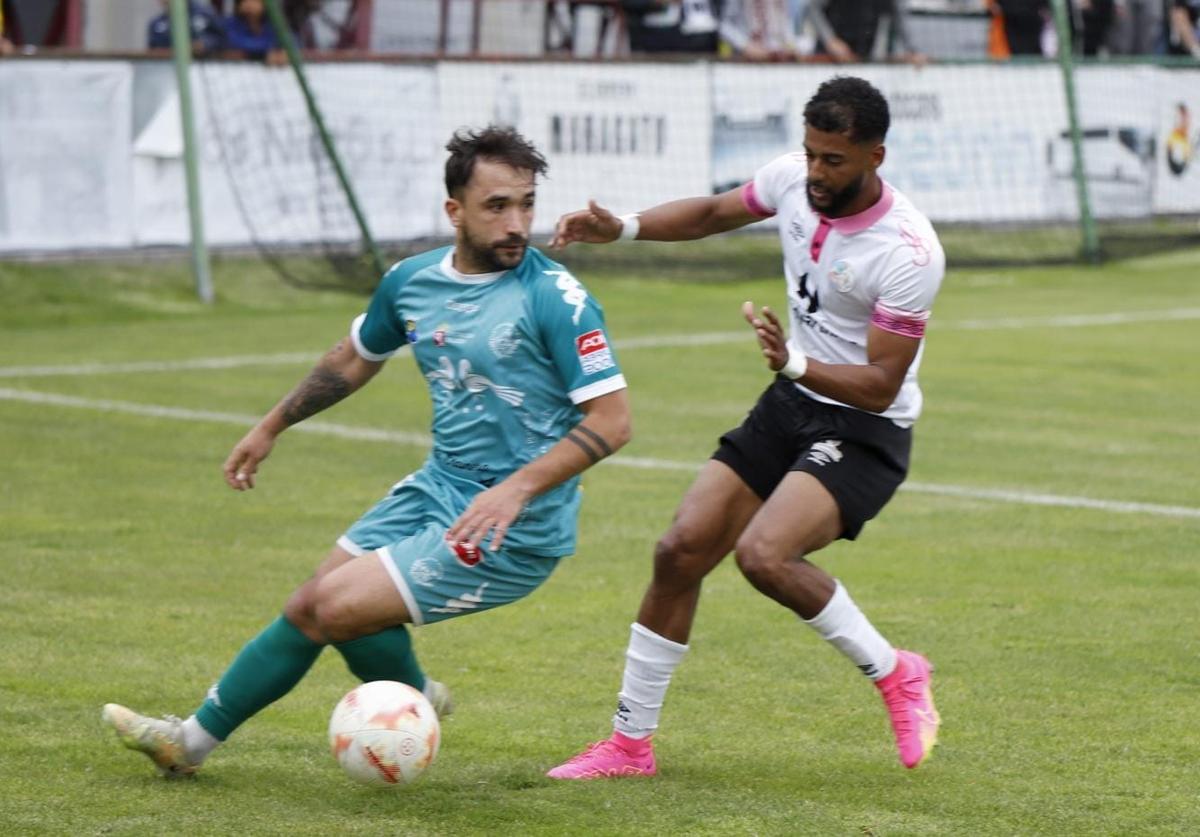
384,733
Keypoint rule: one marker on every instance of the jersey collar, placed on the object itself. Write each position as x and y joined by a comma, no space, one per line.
469,278
857,223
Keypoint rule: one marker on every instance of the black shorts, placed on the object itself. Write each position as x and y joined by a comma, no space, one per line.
859,457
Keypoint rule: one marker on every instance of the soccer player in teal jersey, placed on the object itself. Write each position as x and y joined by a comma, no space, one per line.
526,395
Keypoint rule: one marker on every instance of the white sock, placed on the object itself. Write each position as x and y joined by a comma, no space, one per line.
845,626
649,662
197,741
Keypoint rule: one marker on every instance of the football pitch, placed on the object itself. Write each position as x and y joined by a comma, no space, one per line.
1043,555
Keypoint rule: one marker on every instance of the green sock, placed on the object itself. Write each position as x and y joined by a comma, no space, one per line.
267,668
387,655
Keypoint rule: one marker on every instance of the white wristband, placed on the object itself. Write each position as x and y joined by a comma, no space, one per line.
796,366
630,225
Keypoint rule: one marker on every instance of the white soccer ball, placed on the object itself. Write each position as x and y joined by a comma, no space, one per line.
384,733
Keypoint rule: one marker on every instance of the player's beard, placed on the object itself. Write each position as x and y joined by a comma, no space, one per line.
837,201
491,257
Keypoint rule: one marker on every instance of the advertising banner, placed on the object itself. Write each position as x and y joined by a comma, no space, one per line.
625,135
1177,131
65,180
264,175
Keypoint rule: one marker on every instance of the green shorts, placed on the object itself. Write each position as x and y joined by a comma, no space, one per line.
439,580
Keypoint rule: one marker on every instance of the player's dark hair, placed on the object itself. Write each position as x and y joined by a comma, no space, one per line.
851,106
493,143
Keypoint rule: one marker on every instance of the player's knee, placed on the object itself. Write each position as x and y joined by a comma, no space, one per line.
334,615
300,610
759,562
678,559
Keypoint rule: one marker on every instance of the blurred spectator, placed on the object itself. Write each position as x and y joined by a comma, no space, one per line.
1137,27
249,34
1183,33
6,46
207,33
849,32
671,25
1093,19
1024,21
759,30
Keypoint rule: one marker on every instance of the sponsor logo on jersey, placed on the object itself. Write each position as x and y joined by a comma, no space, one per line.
573,292
823,453
796,230
504,340
425,571
462,307
841,275
594,354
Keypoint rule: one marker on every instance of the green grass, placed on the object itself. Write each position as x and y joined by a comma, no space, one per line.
1066,639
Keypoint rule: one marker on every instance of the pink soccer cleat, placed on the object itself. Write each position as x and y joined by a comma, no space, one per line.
616,756
909,702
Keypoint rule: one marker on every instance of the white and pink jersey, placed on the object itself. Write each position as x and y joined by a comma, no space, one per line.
881,267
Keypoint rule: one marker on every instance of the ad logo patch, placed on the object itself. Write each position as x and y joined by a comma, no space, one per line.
594,354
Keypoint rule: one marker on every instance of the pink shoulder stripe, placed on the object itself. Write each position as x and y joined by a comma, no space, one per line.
904,323
753,204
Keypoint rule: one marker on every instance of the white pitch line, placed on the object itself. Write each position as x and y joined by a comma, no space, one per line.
369,434
711,338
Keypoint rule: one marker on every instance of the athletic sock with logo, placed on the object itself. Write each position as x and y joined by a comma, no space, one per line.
650,661
266,669
847,629
387,655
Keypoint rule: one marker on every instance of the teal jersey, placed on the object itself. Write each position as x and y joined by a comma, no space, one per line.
507,357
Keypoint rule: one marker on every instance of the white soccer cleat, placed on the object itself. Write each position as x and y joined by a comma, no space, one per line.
438,694
159,738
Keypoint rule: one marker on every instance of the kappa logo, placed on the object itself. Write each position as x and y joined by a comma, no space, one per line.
464,602
823,453
573,292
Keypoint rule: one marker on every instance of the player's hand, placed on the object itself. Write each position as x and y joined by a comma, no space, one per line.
594,225
769,332
242,463
491,512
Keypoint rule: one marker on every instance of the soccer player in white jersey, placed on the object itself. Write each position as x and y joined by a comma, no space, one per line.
828,442
526,395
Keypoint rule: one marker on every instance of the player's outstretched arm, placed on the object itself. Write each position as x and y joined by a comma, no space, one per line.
605,429
681,220
339,373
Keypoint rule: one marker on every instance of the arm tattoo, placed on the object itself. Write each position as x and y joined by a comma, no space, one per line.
581,435
595,437
322,388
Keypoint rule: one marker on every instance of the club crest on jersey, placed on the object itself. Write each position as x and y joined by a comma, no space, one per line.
410,331
594,354
841,275
425,571
439,335
504,340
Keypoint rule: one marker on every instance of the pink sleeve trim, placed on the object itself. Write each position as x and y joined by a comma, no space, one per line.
753,204
904,323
